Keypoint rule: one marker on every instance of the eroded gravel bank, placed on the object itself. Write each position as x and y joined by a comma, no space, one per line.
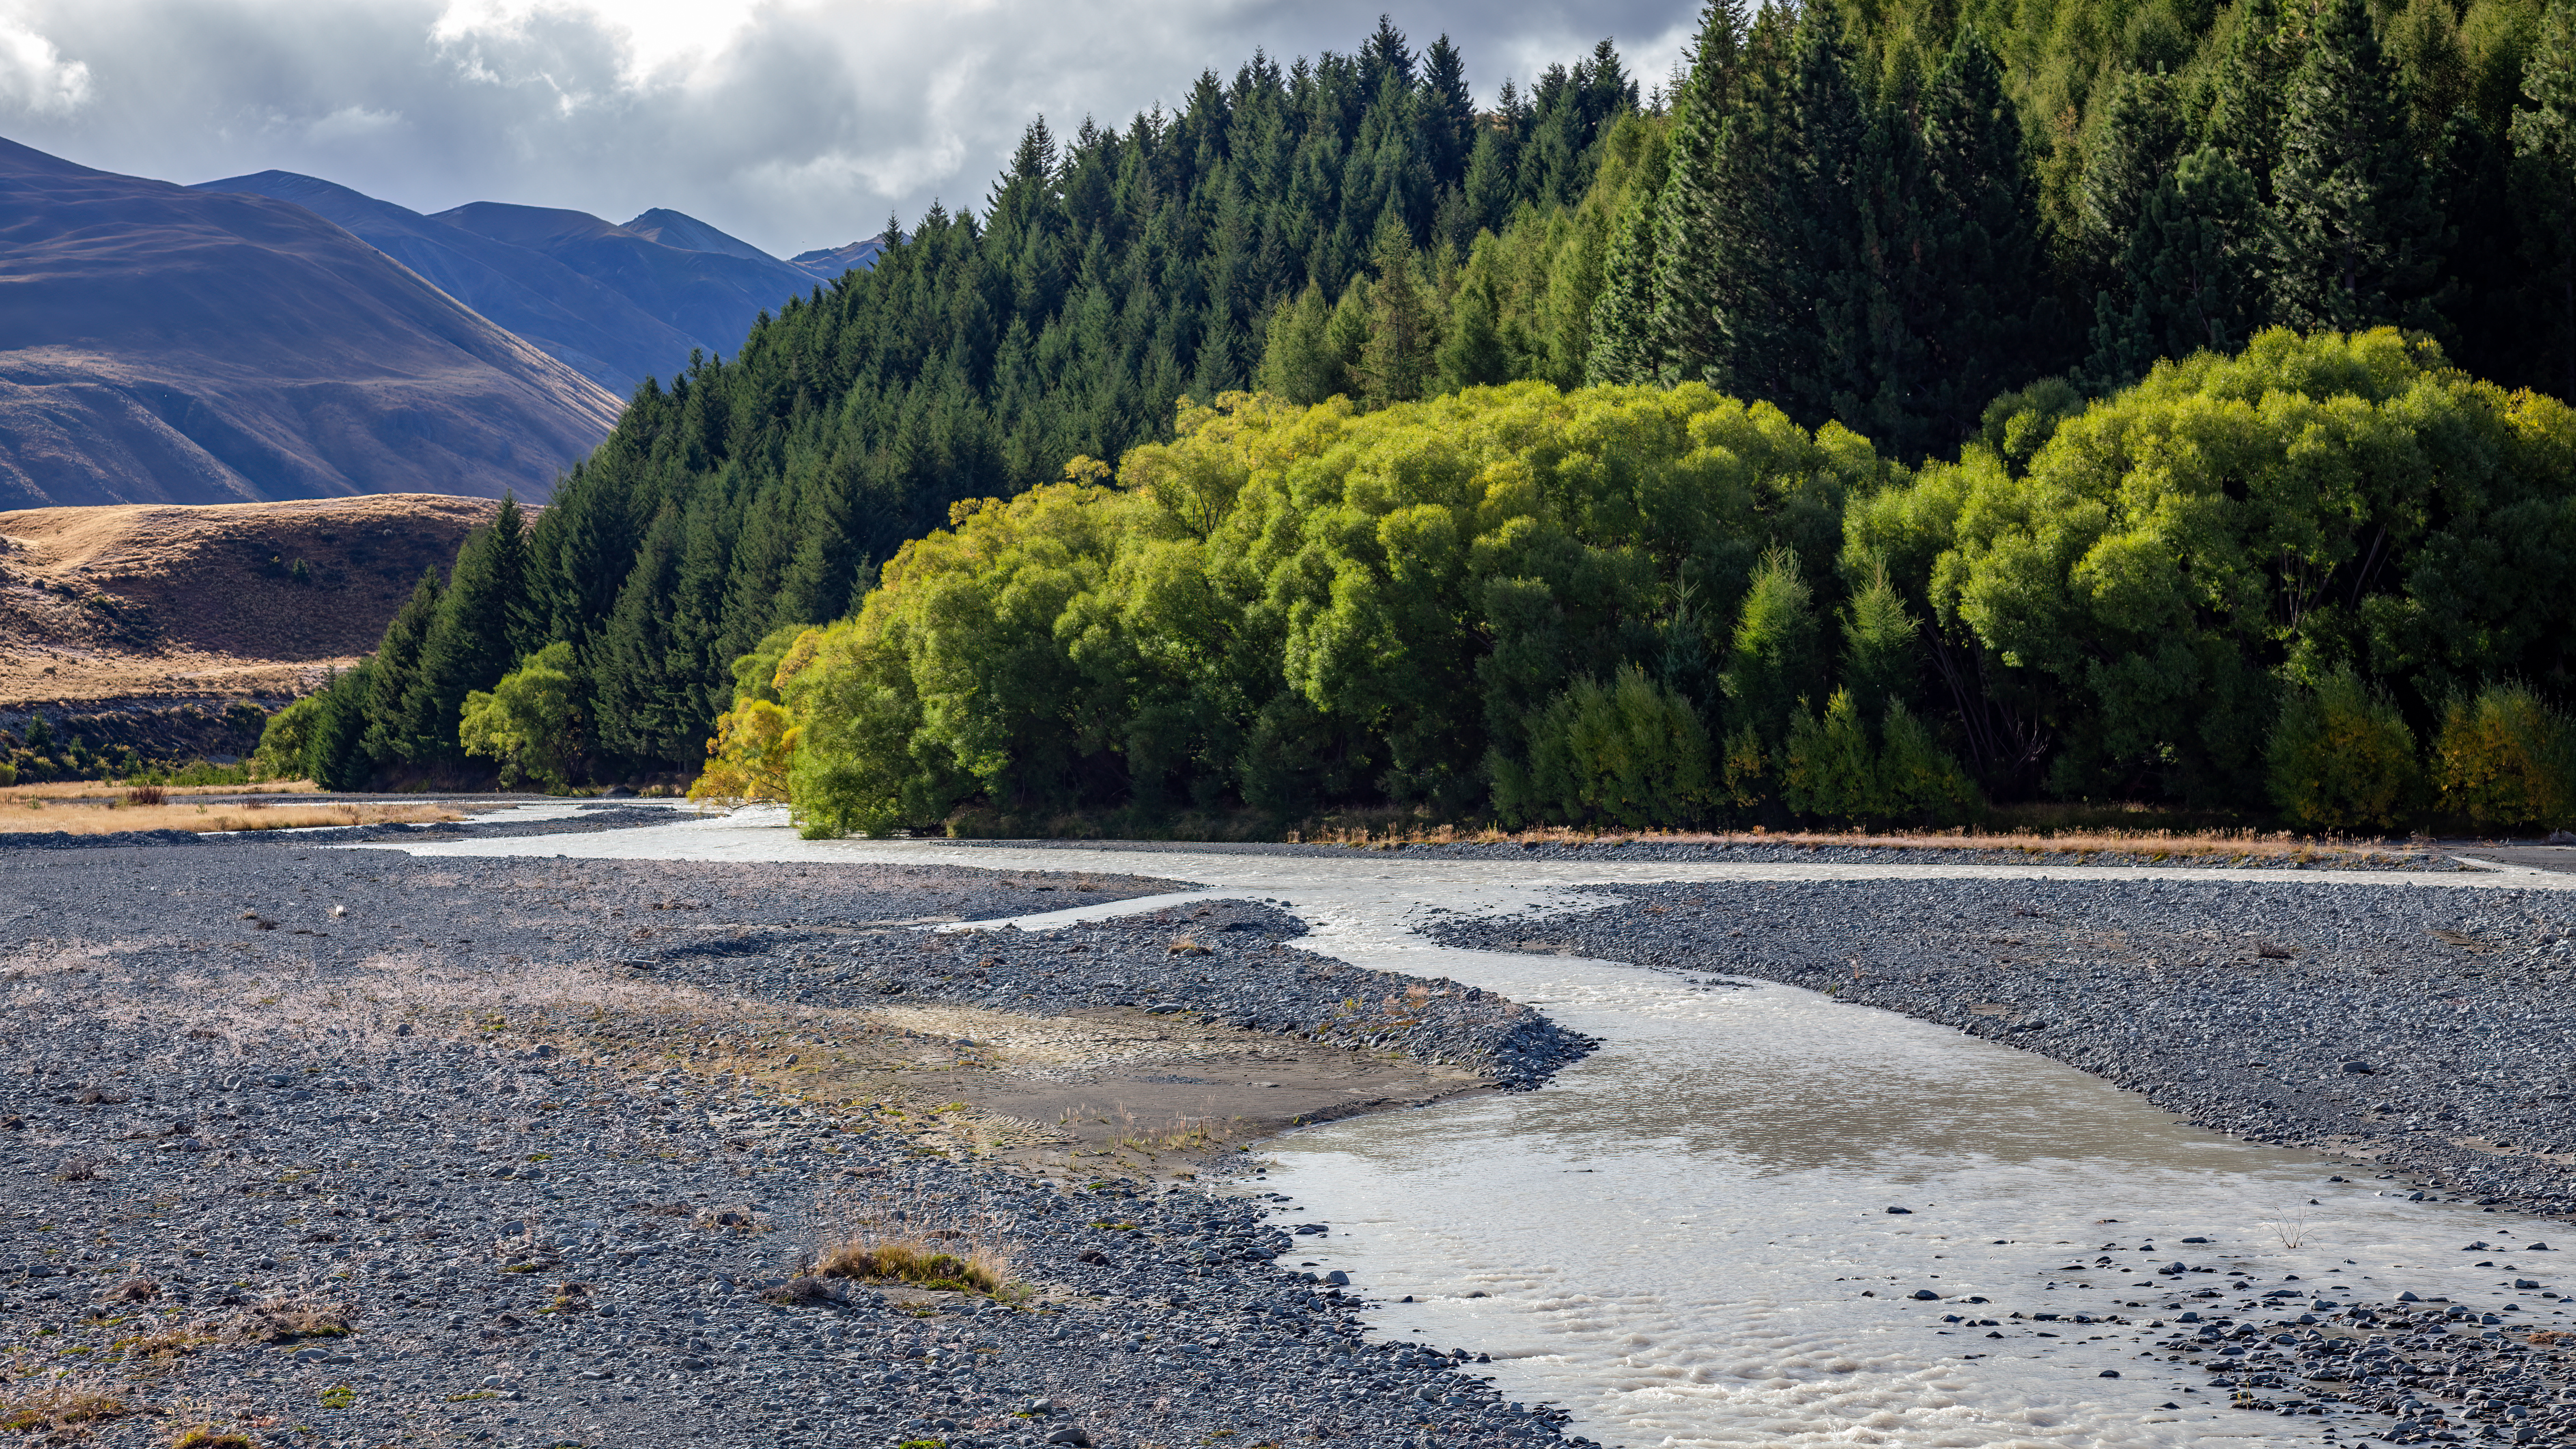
329,1147
2425,1033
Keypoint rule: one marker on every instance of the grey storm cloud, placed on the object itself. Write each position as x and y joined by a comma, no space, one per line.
792,125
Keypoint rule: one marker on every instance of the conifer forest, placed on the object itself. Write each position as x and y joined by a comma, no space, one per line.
1902,406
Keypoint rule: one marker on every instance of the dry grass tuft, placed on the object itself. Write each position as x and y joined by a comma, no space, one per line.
290,1317
147,795
889,1240
201,1437
54,1402
919,1263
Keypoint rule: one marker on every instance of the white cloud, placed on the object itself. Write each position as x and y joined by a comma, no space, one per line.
791,123
35,78
351,123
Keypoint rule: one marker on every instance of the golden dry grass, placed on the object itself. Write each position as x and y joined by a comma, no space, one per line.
882,1241
35,1400
105,816
91,794
2229,845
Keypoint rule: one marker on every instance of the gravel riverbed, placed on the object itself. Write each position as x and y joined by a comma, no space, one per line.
313,1146
2427,1035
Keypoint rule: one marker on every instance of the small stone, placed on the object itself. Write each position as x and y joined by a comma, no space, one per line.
1925,1295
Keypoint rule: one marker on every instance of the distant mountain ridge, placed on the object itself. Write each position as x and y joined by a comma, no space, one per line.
589,326
616,303
830,262
162,344
711,296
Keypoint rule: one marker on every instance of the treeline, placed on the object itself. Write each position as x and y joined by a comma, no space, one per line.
1885,220
2330,570
1108,276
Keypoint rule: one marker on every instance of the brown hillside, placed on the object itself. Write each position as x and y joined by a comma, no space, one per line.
150,601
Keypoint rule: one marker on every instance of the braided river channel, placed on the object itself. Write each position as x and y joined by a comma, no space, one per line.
1687,1238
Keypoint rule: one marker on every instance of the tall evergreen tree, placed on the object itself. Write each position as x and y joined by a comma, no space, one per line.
1799,303
2249,90
2188,272
383,727
1448,116
472,638
1625,342
2138,138
1692,215
2357,236
1397,364
2544,175
1986,332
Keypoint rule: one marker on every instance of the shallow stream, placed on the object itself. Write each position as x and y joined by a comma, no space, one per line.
1686,1238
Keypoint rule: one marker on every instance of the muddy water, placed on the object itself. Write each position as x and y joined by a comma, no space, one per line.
1686,1239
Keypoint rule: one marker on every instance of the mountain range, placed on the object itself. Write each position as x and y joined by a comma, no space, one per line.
278,336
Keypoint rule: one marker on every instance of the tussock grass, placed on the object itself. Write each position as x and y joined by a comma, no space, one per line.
54,1402
107,816
290,1318
899,1240
919,1262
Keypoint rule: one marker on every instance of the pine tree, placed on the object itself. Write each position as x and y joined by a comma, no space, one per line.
2358,237
383,735
1396,364
1691,217
2544,175
470,641
1448,115
643,712
1472,354
2136,141
1982,245
2251,86
1299,361
2187,272
1624,339
1806,349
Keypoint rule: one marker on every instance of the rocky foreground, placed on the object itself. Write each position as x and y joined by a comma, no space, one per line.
2425,1031
309,1146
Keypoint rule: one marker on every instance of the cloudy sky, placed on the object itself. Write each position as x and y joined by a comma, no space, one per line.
790,123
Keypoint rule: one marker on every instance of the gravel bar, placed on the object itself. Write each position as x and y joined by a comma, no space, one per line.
324,1147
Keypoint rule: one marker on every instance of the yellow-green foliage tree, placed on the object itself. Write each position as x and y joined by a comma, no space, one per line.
527,721
1294,606
2122,606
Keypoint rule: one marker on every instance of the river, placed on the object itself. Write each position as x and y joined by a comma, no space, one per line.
1686,1239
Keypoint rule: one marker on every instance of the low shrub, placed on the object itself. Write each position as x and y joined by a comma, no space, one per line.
2341,757
1831,767
2506,758
1630,752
